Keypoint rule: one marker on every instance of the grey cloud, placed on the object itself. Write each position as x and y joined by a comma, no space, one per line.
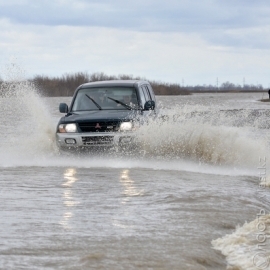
208,18
169,15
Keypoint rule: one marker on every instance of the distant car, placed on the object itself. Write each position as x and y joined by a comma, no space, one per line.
105,114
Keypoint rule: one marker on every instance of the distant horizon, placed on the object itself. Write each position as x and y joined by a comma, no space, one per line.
143,77
211,87
179,82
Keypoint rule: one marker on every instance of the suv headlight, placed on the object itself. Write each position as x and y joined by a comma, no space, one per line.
67,128
126,126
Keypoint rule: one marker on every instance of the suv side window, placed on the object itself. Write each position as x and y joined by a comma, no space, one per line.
146,93
142,95
151,92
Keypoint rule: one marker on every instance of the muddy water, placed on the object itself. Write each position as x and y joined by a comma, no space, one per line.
198,199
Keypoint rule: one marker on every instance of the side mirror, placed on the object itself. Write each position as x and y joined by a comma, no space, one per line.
149,105
63,108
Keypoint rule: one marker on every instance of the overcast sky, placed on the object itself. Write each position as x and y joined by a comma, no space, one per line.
177,41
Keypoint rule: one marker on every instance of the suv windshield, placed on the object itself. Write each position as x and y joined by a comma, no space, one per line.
105,98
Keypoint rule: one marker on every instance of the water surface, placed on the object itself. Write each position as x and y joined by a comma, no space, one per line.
192,202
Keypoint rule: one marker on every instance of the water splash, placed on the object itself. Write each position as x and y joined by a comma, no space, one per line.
26,127
248,247
208,137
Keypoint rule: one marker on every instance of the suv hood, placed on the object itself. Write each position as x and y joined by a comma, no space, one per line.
99,115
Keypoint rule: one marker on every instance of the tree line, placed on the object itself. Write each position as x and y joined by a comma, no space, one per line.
66,84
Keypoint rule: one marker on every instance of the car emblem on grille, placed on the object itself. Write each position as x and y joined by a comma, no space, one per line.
97,126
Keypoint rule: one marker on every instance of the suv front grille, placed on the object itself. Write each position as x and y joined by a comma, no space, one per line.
98,140
98,126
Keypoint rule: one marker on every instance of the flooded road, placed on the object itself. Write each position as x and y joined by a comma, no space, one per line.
198,199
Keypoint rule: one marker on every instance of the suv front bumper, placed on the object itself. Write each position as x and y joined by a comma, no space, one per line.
98,139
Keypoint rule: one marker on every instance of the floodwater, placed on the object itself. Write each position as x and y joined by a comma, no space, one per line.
198,198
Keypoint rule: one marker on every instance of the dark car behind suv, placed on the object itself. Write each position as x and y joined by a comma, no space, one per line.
105,114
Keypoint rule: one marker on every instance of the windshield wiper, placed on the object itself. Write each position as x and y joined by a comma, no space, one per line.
94,102
120,102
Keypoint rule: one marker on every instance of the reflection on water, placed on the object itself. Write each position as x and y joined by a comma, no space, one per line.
129,187
65,220
68,199
125,220
69,175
